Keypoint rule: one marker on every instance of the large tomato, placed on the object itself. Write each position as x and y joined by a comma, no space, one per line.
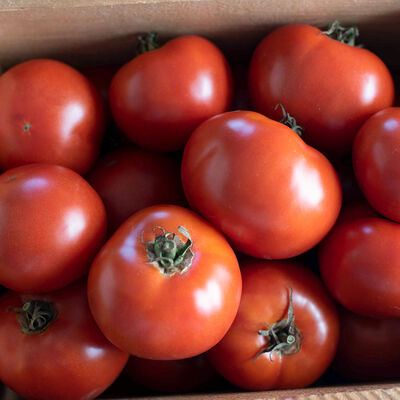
166,285
376,160
49,113
130,179
369,349
170,376
331,87
159,97
286,331
256,180
360,264
52,349
52,223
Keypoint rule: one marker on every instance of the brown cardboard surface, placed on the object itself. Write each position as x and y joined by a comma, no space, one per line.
88,32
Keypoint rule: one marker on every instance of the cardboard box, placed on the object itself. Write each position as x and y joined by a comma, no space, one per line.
95,32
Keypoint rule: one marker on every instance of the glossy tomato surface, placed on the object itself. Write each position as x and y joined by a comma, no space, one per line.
271,194
369,349
70,360
130,179
159,97
376,160
52,223
267,287
170,376
360,264
330,87
155,316
49,113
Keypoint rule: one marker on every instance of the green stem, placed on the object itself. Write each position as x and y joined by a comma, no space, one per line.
344,35
35,316
289,121
147,42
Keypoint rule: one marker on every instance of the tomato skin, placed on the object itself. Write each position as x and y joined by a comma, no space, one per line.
330,88
136,306
272,195
360,265
369,349
71,360
265,299
159,97
376,161
52,223
49,113
170,376
130,179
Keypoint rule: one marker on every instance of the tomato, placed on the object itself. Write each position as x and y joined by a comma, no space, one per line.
159,97
270,193
356,210
158,298
52,223
170,376
369,349
360,264
130,179
330,87
54,350
376,161
49,113
285,333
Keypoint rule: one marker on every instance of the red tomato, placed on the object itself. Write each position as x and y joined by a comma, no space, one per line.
360,264
158,298
170,376
268,346
130,179
376,160
54,350
330,87
369,349
356,210
49,113
52,223
159,97
257,181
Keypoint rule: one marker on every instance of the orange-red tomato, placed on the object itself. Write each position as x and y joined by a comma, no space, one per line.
70,359
157,298
52,223
159,97
49,113
302,348
255,179
330,87
130,179
376,160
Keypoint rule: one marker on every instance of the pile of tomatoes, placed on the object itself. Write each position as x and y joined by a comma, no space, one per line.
141,219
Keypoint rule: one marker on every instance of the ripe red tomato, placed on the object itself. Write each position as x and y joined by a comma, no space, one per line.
257,181
360,264
159,97
130,179
376,161
330,87
49,113
158,298
52,223
270,345
53,350
369,349
170,376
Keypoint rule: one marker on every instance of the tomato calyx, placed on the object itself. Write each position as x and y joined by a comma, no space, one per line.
168,252
284,338
340,33
35,316
147,42
289,121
